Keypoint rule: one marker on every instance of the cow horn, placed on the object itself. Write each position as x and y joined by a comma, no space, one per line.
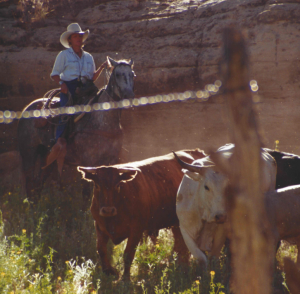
128,169
190,167
88,173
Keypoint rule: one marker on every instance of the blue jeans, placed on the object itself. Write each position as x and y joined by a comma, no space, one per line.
72,85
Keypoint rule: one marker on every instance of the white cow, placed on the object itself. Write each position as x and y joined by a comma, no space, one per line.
200,202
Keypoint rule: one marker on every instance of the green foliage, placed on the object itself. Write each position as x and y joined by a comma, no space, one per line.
50,247
215,287
34,12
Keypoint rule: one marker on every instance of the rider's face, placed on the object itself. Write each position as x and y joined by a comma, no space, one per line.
76,40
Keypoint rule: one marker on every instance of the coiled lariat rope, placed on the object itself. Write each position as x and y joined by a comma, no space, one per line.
210,90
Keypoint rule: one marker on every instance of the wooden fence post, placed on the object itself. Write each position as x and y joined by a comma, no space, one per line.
251,239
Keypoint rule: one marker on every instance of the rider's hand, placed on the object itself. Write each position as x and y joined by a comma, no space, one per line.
64,88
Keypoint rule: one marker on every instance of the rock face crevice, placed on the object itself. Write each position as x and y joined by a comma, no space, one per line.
176,46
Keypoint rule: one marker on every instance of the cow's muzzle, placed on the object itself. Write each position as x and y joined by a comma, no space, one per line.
108,211
220,218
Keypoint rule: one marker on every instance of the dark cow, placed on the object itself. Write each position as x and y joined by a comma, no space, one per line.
11,174
288,168
9,161
136,197
283,210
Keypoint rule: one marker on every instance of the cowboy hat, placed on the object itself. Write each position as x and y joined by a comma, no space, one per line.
72,29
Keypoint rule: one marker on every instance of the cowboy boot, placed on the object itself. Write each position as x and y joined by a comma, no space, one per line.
58,152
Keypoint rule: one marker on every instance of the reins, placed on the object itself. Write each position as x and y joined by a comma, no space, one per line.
111,82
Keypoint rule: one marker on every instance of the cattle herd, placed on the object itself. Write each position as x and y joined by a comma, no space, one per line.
184,191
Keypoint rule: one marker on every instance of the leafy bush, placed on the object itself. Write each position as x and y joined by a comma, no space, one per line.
50,247
36,11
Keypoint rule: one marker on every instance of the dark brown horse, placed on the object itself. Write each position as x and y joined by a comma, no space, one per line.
96,139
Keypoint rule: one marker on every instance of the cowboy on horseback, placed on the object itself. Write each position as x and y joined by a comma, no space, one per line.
94,138
72,67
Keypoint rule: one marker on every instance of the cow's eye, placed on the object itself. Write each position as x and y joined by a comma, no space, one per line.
206,188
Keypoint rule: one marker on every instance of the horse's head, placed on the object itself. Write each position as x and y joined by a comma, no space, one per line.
121,79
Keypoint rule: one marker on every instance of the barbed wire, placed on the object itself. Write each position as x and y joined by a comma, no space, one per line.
209,90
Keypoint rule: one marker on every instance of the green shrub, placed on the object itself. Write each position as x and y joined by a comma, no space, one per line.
50,247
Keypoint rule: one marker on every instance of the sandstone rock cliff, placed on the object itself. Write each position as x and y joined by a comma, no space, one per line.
176,46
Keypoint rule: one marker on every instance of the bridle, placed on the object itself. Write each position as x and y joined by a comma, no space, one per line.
113,82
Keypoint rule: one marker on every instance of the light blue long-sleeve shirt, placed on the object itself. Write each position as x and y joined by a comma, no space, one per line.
69,66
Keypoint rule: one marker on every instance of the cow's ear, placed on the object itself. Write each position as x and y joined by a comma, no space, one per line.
88,173
128,174
192,175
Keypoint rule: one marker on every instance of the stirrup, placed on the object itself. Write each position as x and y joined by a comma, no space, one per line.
58,153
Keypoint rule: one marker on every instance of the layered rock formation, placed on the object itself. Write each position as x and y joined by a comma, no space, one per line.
176,46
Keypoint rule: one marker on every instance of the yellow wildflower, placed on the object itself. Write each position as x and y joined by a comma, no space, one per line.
24,231
197,282
19,252
13,252
212,273
3,274
67,261
59,278
70,271
157,245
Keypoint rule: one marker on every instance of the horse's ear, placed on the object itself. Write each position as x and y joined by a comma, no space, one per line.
111,61
131,63
88,173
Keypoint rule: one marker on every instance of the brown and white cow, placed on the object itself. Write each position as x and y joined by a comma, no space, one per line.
200,204
135,197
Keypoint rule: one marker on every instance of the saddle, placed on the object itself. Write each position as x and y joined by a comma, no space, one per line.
85,94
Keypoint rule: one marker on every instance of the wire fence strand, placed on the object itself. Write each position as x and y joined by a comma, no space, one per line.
209,90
